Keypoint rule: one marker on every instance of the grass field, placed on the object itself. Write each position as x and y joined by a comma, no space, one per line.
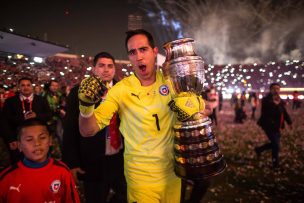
248,179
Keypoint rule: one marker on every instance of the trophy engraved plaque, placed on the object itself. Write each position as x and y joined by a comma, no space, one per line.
197,155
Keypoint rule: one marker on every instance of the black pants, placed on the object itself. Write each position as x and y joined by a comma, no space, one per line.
97,189
273,145
199,189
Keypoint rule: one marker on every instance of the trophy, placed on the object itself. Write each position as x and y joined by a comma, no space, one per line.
197,155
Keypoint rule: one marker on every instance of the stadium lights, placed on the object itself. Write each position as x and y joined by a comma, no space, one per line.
19,56
38,59
291,89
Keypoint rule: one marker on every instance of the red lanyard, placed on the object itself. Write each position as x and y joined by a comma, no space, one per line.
23,106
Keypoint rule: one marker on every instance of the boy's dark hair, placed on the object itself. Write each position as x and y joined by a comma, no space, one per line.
28,123
25,78
102,55
131,33
274,84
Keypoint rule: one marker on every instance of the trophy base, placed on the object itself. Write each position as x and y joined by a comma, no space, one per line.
197,155
200,172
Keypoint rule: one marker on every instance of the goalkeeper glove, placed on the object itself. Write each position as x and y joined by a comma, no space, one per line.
90,91
186,104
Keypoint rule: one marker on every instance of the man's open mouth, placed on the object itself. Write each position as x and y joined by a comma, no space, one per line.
142,67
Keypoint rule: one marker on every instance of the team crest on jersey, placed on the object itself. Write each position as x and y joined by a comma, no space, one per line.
164,90
55,186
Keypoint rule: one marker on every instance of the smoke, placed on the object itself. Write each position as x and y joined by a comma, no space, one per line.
238,31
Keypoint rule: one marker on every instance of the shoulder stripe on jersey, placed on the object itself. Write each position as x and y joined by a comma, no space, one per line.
9,170
60,164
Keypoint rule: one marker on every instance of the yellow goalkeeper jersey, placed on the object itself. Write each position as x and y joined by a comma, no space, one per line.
146,124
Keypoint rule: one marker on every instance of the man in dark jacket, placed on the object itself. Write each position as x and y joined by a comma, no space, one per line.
273,116
18,108
94,159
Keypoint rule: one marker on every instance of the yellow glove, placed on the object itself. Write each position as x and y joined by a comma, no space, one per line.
90,91
186,104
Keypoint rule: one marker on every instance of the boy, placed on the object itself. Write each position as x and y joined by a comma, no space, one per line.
36,178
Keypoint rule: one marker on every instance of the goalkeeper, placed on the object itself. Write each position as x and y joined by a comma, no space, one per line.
141,100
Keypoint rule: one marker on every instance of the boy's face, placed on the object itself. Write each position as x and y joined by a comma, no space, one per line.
35,142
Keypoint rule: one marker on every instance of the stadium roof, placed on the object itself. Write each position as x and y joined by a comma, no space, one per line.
19,44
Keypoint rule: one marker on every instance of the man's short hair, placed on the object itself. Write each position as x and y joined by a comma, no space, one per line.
102,55
274,84
28,123
25,78
131,33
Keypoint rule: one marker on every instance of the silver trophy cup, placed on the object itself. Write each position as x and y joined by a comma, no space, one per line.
197,155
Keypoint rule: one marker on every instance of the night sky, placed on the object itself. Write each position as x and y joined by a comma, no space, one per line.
225,31
87,27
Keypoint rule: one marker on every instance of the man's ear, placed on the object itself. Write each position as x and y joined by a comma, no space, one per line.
155,50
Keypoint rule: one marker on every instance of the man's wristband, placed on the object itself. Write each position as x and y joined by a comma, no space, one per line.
86,111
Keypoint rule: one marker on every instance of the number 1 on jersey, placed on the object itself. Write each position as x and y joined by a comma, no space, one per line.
156,121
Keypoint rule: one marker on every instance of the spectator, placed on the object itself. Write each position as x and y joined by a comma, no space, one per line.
243,99
240,114
213,101
273,116
254,102
94,159
37,178
38,90
3,96
296,103
54,98
221,99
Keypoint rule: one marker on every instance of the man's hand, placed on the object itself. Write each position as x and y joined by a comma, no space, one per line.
90,91
186,104
75,171
29,114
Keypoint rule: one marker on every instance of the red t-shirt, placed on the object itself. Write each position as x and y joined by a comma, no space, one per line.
52,183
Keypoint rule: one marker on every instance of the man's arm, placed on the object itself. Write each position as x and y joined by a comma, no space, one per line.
88,126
